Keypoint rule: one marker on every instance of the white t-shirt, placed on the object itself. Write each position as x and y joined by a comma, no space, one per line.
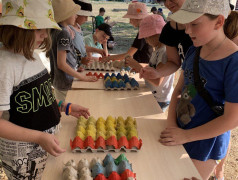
13,70
163,92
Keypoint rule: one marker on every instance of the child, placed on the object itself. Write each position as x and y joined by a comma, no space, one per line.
140,50
25,90
150,29
101,35
77,33
64,56
99,19
204,133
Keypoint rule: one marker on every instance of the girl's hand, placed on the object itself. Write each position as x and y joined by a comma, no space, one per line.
102,52
129,61
149,73
173,136
77,111
86,60
50,144
89,78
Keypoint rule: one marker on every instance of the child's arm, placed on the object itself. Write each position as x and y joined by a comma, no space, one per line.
130,52
13,132
129,61
171,66
62,65
105,47
90,49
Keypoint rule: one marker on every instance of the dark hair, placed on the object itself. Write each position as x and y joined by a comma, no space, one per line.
106,28
231,25
102,10
84,5
21,40
232,6
153,9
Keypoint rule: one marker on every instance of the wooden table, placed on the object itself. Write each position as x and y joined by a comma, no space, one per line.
153,162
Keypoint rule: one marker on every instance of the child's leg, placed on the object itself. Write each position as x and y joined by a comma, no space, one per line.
219,171
205,168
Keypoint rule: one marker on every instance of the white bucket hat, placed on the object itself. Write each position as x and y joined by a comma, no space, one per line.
63,9
136,10
193,9
28,14
86,8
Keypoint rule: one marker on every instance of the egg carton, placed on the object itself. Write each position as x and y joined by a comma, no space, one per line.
119,82
97,75
112,134
99,66
97,169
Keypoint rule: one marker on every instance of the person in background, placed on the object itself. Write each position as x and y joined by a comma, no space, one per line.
177,43
139,50
150,29
99,19
205,134
26,93
160,12
99,38
77,33
64,56
231,27
154,10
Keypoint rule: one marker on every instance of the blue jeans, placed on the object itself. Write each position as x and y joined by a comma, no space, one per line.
164,105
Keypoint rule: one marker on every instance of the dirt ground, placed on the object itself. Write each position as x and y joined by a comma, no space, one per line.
124,34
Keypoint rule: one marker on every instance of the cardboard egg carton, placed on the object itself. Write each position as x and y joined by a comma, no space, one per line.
119,82
99,66
97,169
106,135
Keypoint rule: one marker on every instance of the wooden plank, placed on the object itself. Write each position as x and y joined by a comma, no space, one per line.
154,161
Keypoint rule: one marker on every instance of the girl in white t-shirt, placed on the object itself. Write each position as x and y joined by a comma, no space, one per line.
27,135
150,29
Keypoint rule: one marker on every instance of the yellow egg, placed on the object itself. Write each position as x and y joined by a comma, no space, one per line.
100,133
120,121
101,120
121,129
81,128
102,129
91,133
120,134
110,128
132,134
131,128
129,119
110,124
82,124
113,79
110,134
91,128
101,125
107,79
91,120
110,119
81,135
82,120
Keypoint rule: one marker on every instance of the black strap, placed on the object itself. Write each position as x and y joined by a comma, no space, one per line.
219,110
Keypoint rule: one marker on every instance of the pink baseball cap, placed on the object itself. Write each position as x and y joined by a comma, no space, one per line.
136,10
151,25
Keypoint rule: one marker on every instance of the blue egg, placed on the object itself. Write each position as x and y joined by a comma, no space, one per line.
97,169
106,75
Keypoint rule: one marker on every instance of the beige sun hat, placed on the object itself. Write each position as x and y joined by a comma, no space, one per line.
28,14
86,8
136,10
193,9
63,9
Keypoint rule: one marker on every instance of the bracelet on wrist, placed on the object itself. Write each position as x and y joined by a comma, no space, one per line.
68,109
59,105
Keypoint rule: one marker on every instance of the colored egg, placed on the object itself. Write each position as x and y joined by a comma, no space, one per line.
114,84
120,120
113,75
100,124
91,120
82,119
110,124
91,128
101,119
91,133
101,129
110,134
100,133
81,128
132,134
120,134
110,118
108,83
113,79
106,75
106,79
81,135
129,119
82,124
111,129
121,129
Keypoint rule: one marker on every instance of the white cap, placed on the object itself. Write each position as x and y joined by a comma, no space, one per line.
193,9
